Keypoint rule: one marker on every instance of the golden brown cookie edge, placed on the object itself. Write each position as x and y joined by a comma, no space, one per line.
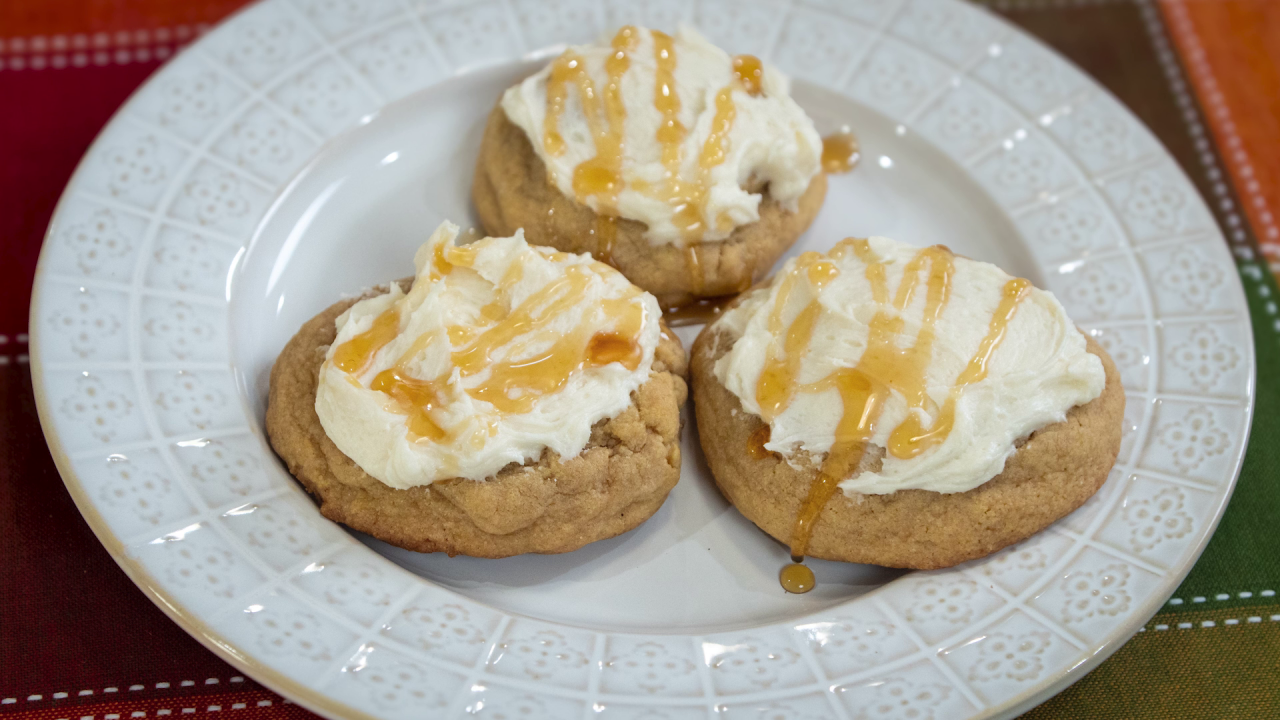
510,190
1055,470
429,519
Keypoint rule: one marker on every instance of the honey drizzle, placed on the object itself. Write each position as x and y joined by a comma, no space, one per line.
839,152
512,386
713,148
882,368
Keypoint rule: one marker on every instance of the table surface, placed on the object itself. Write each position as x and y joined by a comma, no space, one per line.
1203,74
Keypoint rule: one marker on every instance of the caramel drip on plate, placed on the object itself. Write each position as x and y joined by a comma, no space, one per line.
883,368
839,152
796,578
511,386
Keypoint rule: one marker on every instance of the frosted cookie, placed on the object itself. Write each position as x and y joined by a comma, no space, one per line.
689,170
903,407
511,399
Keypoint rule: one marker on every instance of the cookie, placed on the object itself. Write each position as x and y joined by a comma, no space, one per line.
553,505
1054,471
511,190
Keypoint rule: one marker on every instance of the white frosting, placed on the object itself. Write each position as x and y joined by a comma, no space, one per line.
480,440
1036,374
771,139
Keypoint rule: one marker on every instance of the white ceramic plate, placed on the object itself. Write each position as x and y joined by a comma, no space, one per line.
304,149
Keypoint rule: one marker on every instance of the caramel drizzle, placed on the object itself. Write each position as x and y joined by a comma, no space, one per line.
884,367
777,384
565,68
606,232
756,442
911,438
750,73
697,276
688,200
839,152
354,355
671,132
602,175
511,386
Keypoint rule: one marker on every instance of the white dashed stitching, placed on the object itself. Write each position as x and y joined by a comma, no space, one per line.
1198,63
37,697
1243,595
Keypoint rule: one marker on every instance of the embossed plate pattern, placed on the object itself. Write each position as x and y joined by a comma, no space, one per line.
148,426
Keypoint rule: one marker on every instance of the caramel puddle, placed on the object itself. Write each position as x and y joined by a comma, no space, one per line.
839,152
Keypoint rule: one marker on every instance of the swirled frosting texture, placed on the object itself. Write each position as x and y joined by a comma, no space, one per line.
498,351
670,132
964,344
